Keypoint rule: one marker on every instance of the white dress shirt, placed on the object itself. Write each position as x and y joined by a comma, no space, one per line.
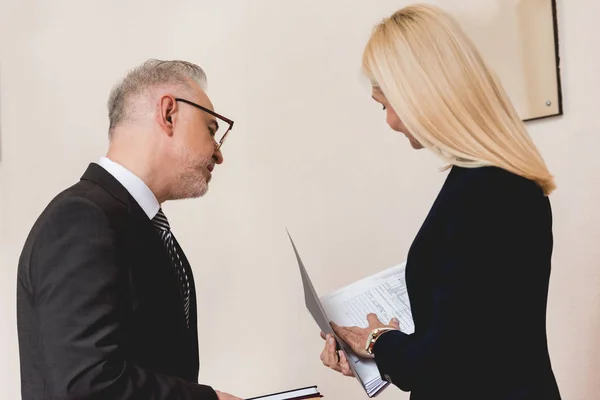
134,185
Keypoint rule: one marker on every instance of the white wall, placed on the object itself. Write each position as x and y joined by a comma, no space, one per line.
309,151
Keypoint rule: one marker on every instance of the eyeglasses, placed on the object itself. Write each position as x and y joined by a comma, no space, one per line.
221,131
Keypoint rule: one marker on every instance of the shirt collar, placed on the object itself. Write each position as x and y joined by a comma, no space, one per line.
134,185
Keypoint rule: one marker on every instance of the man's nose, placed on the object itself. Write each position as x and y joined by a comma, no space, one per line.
218,156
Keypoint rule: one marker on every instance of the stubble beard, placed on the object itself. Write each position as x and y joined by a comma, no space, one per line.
192,182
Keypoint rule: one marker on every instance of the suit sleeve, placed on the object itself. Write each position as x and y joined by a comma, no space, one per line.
77,289
476,243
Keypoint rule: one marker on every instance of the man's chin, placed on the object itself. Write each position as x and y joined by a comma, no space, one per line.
190,195
192,190
200,192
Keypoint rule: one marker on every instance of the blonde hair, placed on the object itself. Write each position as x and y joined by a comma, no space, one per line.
437,82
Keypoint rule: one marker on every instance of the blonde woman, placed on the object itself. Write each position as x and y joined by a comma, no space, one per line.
478,270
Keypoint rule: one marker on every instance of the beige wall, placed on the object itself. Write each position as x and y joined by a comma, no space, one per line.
310,151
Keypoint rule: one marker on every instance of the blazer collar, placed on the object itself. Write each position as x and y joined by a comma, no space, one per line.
101,177
95,173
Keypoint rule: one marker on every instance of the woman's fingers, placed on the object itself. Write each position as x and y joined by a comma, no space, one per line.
344,365
395,323
329,355
332,349
334,359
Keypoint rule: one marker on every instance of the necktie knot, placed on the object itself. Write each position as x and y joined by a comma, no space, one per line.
160,221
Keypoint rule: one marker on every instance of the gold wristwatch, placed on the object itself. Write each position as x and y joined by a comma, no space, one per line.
373,336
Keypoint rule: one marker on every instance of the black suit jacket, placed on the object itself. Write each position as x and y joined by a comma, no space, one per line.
99,310
477,276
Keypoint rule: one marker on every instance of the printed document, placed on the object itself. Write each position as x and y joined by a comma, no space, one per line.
383,294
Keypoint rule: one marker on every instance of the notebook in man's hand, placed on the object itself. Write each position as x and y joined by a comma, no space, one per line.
307,393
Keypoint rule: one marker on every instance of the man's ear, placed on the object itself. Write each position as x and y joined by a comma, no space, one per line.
167,108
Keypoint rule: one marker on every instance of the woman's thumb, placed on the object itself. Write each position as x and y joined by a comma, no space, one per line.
395,323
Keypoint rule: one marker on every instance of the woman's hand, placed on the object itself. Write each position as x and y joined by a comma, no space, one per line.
226,396
334,359
356,337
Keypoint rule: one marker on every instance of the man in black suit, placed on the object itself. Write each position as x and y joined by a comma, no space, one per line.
105,296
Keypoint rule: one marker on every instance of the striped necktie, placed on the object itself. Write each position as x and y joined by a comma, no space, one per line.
161,224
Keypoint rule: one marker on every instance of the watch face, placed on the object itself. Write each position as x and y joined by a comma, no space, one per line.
373,336
371,341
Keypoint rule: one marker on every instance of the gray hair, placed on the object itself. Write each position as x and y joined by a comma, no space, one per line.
150,74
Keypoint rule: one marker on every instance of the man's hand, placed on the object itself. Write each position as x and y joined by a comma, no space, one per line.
226,396
356,337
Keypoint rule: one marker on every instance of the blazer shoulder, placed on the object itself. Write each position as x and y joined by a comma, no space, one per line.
90,193
492,181
484,192
84,199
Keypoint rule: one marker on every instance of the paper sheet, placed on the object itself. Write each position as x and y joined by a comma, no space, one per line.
383,294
